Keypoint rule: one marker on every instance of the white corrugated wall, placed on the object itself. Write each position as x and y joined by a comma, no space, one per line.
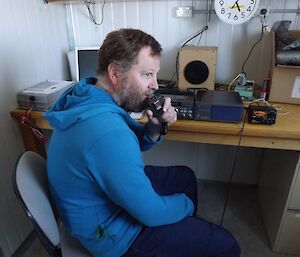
158,18
34,38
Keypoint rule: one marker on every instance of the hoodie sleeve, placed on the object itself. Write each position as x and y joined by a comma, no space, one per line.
120,173
145,141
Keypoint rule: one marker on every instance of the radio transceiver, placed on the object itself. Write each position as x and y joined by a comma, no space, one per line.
206,105
225,106
184,103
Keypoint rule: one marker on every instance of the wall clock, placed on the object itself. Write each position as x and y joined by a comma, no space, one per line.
236,11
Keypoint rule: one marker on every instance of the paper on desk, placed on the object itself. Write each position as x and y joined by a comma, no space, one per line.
296,88
137,115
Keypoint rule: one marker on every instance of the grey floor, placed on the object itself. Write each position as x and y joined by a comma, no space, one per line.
242,218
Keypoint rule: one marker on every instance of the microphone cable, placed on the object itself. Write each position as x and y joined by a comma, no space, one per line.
235,158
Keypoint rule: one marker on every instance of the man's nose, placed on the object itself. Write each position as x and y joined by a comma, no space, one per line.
154,84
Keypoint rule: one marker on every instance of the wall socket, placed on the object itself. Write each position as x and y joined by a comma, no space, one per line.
263,11
184,11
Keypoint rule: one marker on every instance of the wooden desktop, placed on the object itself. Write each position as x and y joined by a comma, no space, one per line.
285,134
279,183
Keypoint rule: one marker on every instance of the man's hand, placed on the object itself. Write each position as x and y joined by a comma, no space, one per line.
154,125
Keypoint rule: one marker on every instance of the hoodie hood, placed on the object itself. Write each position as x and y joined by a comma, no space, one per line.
80,102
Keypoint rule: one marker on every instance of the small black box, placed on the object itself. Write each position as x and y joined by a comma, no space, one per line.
261,114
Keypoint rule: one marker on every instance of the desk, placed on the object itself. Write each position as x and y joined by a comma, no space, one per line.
285,134
279,197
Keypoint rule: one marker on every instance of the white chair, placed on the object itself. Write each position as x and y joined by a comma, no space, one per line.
31,188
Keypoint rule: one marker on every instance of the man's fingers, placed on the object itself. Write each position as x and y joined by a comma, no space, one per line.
167,103
149,114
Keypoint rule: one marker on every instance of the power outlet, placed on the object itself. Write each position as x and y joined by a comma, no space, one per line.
263,11
184,11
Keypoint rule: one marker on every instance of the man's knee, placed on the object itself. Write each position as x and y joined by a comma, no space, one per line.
233,249
236,250
187,173
224,244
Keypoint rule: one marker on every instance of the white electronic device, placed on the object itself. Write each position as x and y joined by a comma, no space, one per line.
42,96
83,62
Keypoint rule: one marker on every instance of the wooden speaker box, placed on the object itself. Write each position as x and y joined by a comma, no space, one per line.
197,67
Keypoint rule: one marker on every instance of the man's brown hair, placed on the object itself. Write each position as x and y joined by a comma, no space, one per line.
122,47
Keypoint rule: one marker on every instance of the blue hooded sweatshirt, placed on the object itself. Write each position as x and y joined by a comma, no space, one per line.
96,172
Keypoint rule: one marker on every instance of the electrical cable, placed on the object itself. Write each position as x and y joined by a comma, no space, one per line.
199,33
29,123
277,107
235,158
254,45
209,8
250,52
91,16
176,69
230,84
177,56
209,11
70,26
199,39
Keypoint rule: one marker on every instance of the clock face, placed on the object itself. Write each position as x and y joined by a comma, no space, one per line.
235,11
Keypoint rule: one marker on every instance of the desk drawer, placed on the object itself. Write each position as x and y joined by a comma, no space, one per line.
295,195
288,241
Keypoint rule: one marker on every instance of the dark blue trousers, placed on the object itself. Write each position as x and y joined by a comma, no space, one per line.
190,237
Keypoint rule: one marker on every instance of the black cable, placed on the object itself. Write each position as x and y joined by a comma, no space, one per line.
237,150
176,69
209,12
177,57
199,33
254,45
241,134
91,16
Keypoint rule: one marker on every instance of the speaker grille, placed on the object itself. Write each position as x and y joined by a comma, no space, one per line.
196,72
197,67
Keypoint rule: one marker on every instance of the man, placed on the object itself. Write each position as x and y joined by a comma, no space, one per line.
104,194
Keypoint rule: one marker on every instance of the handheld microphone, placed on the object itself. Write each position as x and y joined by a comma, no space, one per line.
156,104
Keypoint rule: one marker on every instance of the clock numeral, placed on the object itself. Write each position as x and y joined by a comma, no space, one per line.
235,11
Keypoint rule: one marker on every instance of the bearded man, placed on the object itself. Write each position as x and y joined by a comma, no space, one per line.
106,197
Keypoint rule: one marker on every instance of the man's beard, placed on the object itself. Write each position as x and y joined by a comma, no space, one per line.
130,98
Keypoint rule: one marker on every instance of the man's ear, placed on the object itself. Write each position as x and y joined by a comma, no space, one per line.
114,73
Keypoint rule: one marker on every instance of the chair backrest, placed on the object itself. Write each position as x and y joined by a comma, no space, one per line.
31,188
30,184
